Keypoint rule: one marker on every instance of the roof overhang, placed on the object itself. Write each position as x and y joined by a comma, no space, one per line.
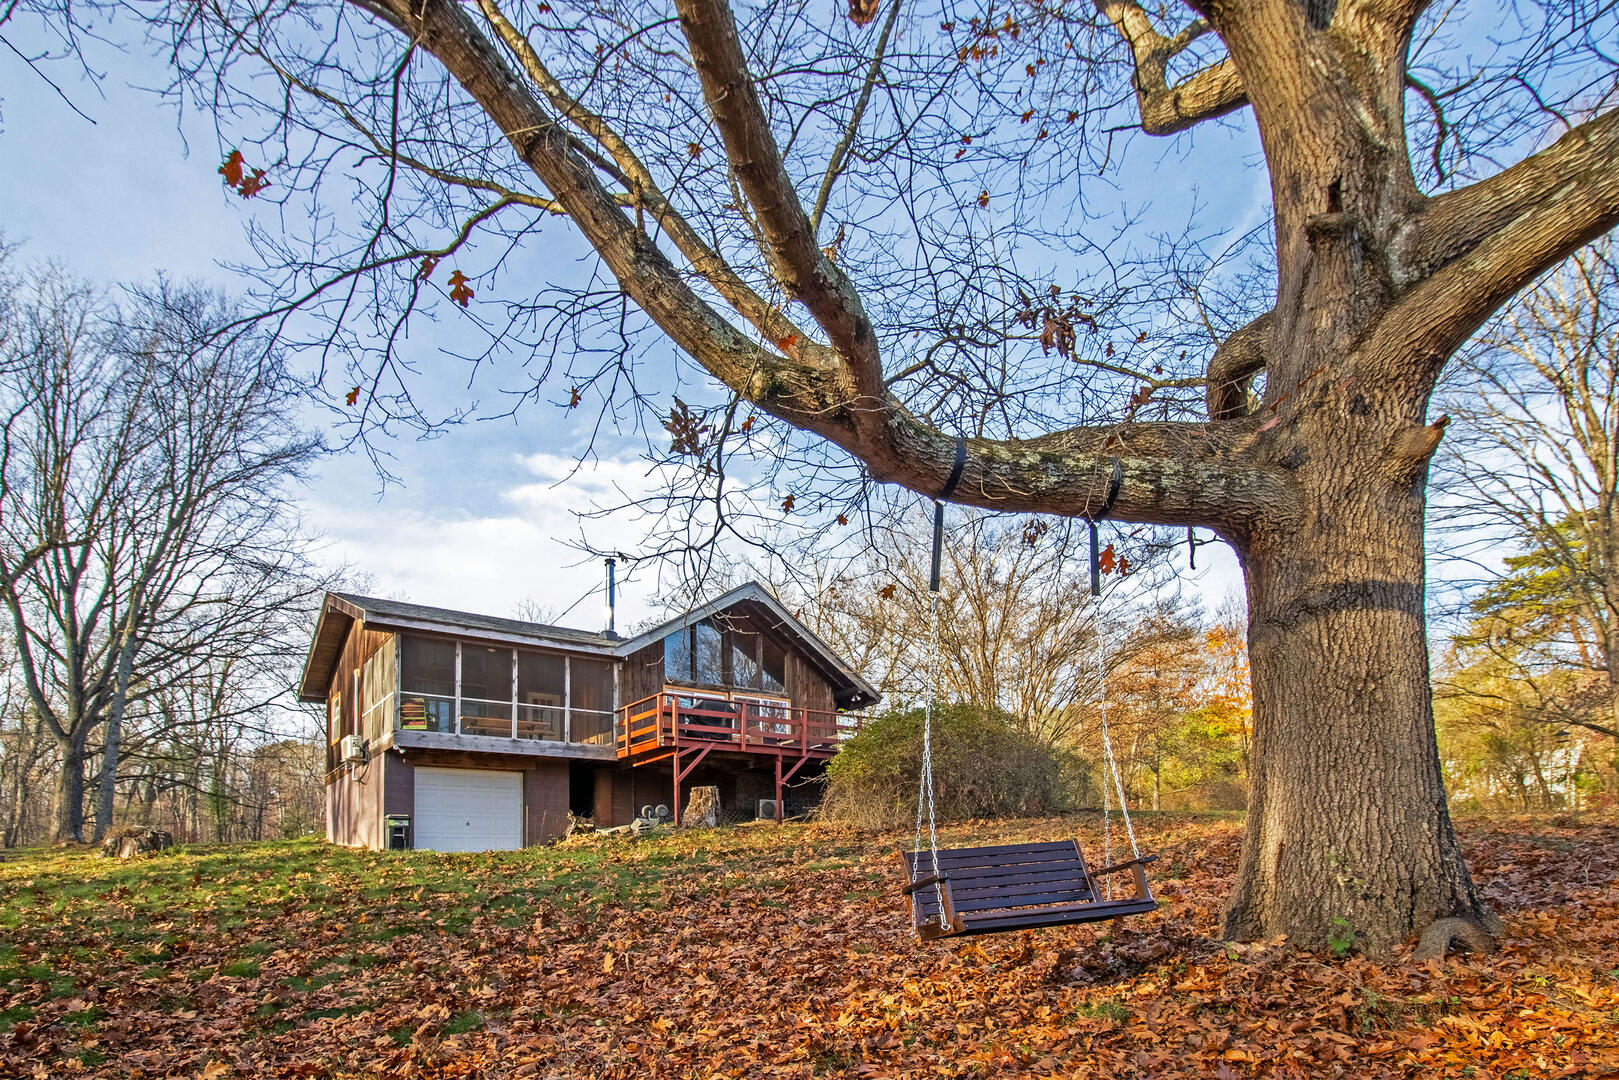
337,618
339,614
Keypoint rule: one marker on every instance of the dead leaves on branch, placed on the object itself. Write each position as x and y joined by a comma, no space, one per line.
1056,321
862,12
759,952
242,178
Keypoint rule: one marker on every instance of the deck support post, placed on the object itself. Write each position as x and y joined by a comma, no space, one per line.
782,778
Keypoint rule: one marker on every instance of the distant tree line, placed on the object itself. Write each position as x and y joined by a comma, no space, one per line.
156,583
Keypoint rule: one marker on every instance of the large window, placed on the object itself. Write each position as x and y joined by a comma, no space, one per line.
744,659
728,653
708,654
677,655
774,674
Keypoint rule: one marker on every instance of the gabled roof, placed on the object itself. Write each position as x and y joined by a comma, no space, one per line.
848,688
341,610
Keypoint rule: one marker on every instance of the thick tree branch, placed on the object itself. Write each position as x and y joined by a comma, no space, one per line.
1239,358
765,317
1472,250
1211,92
1452,224
796,259
1173,473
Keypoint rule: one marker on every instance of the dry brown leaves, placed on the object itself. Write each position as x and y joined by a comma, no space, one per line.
789,956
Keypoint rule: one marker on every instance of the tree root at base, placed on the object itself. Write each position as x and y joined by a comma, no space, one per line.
1469,935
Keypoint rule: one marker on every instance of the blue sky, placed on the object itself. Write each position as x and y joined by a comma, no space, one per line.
482,514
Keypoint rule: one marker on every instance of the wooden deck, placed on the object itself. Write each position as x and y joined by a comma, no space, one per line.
683,726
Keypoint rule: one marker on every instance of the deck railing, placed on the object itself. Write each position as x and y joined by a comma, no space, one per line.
484,718
678,717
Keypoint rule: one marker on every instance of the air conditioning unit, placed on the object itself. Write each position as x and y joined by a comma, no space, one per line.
767,809
353,749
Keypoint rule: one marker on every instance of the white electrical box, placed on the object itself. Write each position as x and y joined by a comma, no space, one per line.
352,748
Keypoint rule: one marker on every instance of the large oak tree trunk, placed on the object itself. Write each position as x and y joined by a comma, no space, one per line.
1347,829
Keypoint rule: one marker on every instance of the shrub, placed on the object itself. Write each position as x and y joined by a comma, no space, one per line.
983,766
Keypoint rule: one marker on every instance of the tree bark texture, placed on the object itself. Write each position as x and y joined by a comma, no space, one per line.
69,804
1348,829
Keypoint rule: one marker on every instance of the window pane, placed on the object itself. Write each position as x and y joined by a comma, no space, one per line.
775,668
540,689
429,666
709,662
677,655
745,659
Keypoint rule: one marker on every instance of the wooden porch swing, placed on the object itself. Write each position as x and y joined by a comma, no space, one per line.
963,892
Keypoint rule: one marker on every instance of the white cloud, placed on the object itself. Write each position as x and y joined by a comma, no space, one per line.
432,552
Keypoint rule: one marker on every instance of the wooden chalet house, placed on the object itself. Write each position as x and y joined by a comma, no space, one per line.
458,732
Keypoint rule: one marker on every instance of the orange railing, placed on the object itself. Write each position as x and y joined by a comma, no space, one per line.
687,718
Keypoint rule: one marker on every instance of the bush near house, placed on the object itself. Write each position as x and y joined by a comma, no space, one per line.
983,767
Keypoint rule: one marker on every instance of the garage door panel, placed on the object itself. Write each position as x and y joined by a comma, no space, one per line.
468,810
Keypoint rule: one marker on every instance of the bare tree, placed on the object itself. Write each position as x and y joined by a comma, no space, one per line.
1019,631
871,235
1538,468
163,458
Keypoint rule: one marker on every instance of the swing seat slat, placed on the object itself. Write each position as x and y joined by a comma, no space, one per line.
998,889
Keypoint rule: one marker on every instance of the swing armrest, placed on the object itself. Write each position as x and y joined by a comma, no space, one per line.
1127,864
924,882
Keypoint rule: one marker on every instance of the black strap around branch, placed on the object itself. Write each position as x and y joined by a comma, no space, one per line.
949,488
945,492
1113,486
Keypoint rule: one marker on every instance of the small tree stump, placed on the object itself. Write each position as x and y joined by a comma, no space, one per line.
702,809
135,840
1443,933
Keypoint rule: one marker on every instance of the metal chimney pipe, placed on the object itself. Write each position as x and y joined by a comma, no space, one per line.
612,598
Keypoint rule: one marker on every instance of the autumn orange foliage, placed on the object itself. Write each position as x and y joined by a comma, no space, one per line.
766,952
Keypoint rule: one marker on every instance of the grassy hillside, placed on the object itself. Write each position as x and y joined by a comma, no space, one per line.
762,951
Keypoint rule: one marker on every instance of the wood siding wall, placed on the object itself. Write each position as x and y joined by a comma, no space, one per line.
806,686
641,674
357,649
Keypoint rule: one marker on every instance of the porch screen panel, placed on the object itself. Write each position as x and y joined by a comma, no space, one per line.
427,685
591,705
486,690
541,690
377,692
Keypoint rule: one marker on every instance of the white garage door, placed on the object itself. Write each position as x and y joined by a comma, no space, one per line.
468,810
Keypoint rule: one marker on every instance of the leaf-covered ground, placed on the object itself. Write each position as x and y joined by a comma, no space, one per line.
760,951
